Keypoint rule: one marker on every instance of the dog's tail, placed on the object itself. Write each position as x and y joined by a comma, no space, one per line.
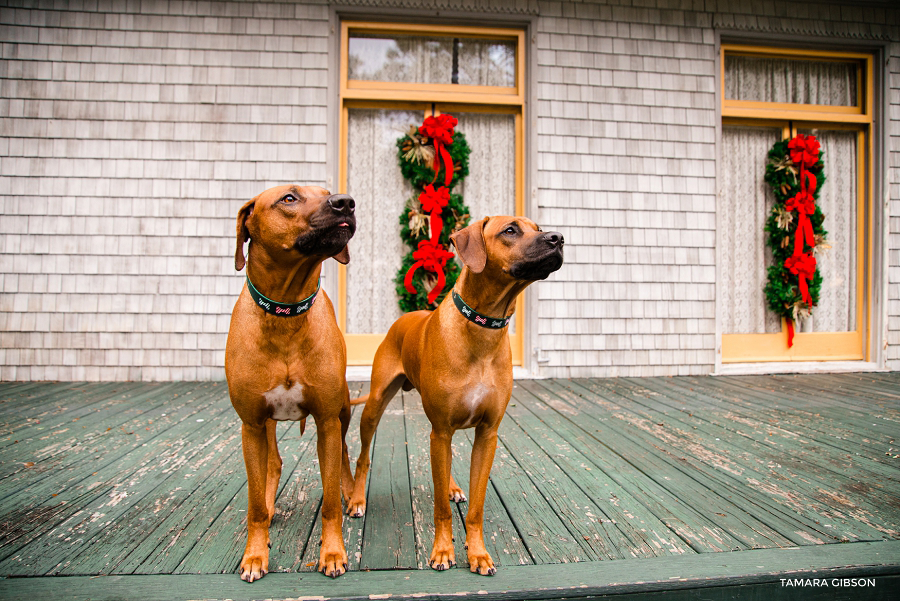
359,401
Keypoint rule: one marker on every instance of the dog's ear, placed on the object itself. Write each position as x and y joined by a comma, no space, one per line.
243,234
343,257
469,243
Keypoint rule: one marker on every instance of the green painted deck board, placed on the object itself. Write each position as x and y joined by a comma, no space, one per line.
587,473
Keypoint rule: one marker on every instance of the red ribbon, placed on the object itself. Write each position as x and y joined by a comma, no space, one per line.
804,267
431,256
433,202
440,130
804,152
805,205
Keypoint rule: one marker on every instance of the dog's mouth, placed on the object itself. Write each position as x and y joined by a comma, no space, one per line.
538,268
327,236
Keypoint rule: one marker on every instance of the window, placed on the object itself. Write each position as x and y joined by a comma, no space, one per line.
770,94
392,77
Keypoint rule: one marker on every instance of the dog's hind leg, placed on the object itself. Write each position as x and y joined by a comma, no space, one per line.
384,387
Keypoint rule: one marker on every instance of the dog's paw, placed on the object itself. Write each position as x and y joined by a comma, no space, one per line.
356,509
254,566
442,559
333,563
457,495
481,563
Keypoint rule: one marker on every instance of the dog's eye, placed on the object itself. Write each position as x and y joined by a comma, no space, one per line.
510,230
289,198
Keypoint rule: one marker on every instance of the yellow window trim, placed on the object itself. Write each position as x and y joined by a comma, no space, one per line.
813,346
443,97
850,114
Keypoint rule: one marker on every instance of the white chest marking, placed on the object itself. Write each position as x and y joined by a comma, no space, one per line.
286,403
473,400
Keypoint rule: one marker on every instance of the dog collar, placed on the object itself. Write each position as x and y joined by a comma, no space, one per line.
282,309
477,318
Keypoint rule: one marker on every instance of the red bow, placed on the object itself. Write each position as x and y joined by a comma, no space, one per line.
804,267
432,257
804,150
805,205
440,130
433,202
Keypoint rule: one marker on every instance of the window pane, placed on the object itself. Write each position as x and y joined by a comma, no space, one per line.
782,80
745,202
420,59
836,311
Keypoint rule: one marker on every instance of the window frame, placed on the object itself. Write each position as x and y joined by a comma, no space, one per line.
360,89
436,97
813,346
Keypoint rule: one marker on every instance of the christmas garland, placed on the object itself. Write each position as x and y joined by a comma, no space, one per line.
434,159
794,228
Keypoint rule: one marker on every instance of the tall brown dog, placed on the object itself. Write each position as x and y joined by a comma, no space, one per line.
286,359
458,357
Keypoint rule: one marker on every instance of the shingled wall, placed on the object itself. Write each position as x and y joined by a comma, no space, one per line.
131,132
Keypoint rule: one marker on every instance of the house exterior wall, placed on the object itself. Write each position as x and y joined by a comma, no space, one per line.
131,133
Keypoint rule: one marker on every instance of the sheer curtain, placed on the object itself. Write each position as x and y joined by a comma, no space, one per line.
490,188
836,311
381,193
376,250
829,83
745,203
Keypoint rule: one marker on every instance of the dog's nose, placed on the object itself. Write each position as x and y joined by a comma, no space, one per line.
342,203
554,239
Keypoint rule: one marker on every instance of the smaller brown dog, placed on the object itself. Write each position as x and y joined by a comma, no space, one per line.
285,358
458,357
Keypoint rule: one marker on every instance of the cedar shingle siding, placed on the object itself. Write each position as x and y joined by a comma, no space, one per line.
131,133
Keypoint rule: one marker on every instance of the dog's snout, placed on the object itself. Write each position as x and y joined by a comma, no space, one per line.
342,203
554,239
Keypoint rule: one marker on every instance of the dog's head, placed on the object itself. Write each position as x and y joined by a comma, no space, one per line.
509,246
302,220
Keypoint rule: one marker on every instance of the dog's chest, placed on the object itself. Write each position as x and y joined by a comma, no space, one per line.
286,403
473,402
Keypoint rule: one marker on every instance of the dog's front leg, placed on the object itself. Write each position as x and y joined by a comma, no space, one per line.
333,560
255,563
442,554
483,450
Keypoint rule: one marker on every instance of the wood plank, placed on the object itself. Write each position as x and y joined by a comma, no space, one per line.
731,466
543,532
832,396
666,489
787,443
643,534
753,574
563,492
389,540
43,502
418,430
352,528
55,445
112,489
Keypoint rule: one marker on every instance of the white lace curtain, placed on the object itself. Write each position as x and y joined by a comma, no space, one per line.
746,201
374,180
829,83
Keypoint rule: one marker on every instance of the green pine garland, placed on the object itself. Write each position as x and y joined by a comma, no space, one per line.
782,290
415,153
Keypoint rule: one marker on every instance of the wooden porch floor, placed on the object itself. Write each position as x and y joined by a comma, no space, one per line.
599,486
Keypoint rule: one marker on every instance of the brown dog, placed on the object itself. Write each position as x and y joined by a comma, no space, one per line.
286,359
458,357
